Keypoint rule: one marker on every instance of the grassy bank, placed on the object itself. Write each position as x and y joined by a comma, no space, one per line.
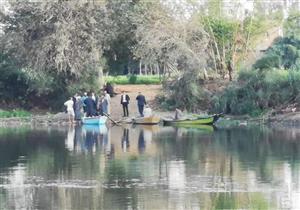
14,113
134,79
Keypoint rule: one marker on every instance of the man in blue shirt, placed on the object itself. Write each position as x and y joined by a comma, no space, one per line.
141,102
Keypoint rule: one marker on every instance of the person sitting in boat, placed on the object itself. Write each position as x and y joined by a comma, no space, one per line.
147,111
178,114
90,106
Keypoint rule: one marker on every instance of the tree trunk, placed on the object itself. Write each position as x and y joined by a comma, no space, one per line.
216,46
100,76
140,67
205,74
214,58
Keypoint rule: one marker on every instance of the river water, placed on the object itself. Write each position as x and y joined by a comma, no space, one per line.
149,167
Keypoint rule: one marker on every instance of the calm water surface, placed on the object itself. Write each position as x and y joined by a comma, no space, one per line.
149,167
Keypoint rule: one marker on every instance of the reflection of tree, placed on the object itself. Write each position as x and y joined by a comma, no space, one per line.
238,200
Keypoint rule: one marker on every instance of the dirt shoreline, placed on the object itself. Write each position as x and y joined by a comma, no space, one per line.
282,120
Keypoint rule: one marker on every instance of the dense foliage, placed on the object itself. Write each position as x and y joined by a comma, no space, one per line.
56,48
273,82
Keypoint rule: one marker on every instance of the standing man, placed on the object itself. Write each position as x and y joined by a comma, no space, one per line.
90,106
69,104
141,101
83,103
125,101
107,99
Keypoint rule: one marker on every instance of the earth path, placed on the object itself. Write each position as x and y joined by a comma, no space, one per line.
149,91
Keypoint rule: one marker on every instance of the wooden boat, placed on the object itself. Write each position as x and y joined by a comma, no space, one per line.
210,120
94,120
146,120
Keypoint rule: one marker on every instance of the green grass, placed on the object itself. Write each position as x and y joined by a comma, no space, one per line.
134,79
14,113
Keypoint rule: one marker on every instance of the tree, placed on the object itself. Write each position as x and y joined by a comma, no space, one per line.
57,36
170,44
292,25
119,55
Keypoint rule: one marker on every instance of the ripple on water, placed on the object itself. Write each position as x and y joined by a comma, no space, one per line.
32,182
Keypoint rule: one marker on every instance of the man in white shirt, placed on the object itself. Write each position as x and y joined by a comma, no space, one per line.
147,111
125,101
69,104
107,99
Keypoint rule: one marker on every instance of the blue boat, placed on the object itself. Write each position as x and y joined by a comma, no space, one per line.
102,129
94,120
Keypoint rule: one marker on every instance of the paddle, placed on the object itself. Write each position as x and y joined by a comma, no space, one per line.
111,119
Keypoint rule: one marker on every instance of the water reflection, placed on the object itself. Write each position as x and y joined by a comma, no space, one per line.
141,142
125,139
93,167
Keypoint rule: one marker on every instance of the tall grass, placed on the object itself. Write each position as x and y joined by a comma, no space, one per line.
134,79
14,113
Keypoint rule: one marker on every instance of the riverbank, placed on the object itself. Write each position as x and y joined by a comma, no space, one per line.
150,92
228,121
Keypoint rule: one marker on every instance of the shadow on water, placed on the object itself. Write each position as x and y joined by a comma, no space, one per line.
149,167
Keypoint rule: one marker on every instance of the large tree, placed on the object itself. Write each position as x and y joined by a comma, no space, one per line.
60,36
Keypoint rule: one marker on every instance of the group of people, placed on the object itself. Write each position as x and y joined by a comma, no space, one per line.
91,105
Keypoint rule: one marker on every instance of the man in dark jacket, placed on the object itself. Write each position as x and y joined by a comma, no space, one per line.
90,106
141,101
125,101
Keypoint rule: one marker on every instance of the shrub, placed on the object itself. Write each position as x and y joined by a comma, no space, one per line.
268,61
256,91
14,113
134,79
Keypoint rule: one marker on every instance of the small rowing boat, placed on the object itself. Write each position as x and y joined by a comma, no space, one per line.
146,120
99,120
95,128
210,120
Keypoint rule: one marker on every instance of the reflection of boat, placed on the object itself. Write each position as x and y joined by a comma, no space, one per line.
146,120
195,127
195,121
152,128
94,120
95,128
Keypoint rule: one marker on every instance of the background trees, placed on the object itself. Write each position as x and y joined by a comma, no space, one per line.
65,46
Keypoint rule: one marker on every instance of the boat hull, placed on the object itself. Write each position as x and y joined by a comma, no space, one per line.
146,120
94,120
199,121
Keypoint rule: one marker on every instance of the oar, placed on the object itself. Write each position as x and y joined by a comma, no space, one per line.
110,118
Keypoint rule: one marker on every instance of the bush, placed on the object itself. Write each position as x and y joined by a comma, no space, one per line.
14,113
284,53
134,79
256,91
268,61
